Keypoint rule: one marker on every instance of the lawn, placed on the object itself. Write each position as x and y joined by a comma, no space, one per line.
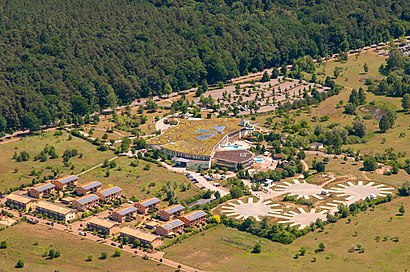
223,249
136,180
14,173
28,243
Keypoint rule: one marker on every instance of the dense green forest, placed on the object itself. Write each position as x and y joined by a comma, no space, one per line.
61,58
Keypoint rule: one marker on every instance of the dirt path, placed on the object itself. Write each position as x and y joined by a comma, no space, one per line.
94,167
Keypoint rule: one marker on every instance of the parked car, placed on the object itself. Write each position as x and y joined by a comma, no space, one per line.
82,233
113,244
48,223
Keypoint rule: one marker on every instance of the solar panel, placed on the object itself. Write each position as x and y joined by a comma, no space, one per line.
68,179
195,215
45,187
128,210
173,224
87,199
150,202
91,185
111,191
175,209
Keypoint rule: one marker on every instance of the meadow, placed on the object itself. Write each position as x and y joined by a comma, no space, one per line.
28,243
224,249
13,173
134,180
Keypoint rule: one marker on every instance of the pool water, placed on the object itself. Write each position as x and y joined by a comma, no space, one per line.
233,147
260,160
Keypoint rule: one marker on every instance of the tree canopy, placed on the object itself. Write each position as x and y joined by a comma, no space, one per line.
59,56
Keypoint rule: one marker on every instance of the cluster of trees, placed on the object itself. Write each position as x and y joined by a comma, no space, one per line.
278,233
64,59
356,98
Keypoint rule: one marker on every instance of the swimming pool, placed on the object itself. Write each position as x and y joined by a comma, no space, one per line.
233,147
260,160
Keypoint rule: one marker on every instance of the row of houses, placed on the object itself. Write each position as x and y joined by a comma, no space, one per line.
45,208
168,229
23,202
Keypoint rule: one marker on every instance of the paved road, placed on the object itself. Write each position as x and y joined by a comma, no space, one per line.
202,182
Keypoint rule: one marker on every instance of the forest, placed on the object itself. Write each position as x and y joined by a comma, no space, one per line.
62,59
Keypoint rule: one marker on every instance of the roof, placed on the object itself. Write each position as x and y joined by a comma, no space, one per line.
125,211
20,198
43,187
68,179
316,144
87,199
172,224
194,215
139,234
150,201
53,207
110,191
91,185
238,156
174,208
103,222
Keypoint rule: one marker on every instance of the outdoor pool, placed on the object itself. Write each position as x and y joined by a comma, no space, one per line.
260,160
233,147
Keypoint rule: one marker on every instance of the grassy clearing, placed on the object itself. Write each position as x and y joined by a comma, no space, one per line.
352,74
14,173
223,249
136,180
350,168
29,242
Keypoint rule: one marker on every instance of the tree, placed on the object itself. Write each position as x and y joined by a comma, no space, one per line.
350,109
405,103
79,105
20,264
404,190
168,89
217,195
30,122
395,60
370,163
257,249
3,244
103,256
401,209
236,192
265,77
387,121
359,128
117,253
320,167
321,247
151,105
336,72
3,124
207,194
89,258
366,67
125,144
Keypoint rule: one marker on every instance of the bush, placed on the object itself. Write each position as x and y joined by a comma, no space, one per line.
103,256
257,249
20,264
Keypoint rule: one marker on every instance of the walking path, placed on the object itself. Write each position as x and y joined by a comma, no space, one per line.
94,167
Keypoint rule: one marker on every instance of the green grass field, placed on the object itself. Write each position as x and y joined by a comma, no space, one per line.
14,173
223,249
135,180
28,243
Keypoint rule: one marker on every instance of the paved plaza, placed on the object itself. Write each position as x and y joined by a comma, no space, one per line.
360,191
249,208
301,218
300,189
